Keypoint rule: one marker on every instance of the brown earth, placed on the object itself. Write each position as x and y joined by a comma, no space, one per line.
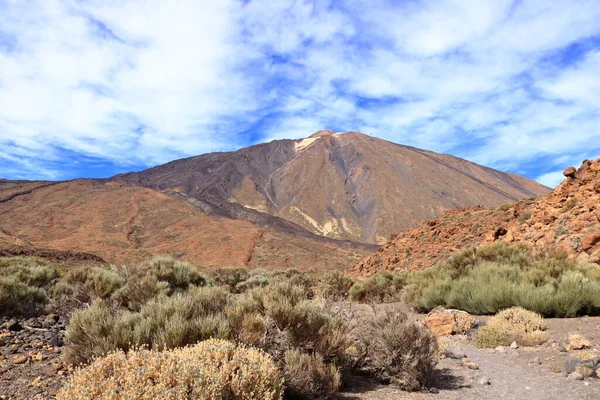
567,218
120,223
346,186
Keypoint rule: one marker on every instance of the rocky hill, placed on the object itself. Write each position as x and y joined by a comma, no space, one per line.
121,223
567,218
346,186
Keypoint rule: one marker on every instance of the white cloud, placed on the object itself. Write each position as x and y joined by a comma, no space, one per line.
141,82
551,179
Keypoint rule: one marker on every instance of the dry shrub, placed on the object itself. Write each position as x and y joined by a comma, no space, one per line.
309,377
213,369
513,324
399,349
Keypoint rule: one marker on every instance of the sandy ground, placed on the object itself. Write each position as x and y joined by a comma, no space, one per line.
513,375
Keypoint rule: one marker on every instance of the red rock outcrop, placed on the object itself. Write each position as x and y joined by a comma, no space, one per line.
567,218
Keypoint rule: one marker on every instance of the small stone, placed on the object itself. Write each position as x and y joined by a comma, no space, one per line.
455,352
55,341
39,357
484,380
514,345
576,376
37,381
34,323
501,349
584,371
13,325
536,360
19,359
52,318
571,364
434,390
586,383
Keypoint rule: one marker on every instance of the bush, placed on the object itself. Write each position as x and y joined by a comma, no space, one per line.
213,369
308,324
160,276
335,285
491,278
513,324
25,285
308,377
383,286
398,349
162,323
84,284
18,298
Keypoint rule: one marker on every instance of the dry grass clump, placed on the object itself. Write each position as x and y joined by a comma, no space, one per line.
213,369
513,324
398,349
309,377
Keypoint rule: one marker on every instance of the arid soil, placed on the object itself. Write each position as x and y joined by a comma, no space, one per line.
567,218
515,374
31,367
120,223
346,186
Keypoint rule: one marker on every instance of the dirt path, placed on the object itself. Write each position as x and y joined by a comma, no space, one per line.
513,375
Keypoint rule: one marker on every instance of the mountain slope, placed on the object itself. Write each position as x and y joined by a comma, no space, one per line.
346,186
122,223
568,218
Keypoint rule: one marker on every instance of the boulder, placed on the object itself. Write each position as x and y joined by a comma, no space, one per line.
444,321
590,240
570,172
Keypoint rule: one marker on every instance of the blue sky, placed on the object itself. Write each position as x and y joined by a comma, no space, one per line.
90,88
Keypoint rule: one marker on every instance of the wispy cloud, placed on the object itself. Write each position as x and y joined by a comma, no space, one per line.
128,84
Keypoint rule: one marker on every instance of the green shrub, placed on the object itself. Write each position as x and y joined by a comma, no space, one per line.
160,276
381,287
25,285
491,278
398,349
212,369
335,285
308,377
230,277
18,298
162,323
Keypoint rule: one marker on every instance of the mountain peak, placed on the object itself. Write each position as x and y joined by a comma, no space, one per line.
321,133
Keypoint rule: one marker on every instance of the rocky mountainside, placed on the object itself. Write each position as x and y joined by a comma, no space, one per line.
121,223
346,186
567,218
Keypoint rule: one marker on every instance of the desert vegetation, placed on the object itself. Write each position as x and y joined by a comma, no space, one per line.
298,334
161,313
491,278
